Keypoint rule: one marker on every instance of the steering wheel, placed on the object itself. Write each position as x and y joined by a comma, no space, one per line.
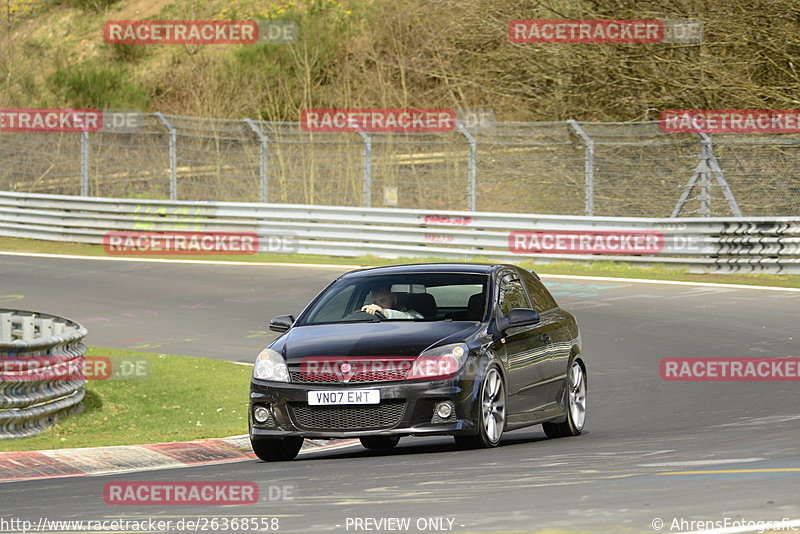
358,314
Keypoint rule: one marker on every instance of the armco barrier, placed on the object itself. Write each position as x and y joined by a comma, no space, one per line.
718,244
35,389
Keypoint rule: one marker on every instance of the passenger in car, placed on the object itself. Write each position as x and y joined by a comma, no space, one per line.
385,303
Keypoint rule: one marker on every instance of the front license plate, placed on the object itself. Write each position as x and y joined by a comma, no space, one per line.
345,396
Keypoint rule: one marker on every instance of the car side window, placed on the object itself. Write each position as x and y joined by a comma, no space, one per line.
512,294
335,307
542,299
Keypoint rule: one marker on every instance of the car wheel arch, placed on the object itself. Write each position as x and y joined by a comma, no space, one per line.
574,355
481,369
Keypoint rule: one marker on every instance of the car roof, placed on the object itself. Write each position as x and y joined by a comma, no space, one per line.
473,268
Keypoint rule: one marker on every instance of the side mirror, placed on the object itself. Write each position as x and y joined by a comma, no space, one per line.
281,323
522,317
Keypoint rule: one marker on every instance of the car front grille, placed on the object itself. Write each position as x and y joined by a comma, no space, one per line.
358,417
361,372
300,377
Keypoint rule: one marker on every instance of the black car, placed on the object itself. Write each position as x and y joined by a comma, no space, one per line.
470,350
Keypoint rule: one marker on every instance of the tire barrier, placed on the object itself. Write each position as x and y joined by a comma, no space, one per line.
759,246
41,379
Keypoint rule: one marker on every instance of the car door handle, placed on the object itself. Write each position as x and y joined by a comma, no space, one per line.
545,338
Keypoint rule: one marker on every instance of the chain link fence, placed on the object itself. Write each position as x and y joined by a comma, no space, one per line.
569,168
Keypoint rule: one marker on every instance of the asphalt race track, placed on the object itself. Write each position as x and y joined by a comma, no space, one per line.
733,445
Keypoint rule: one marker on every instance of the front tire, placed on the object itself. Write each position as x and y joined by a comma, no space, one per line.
576,406
379,443
492,413
277,449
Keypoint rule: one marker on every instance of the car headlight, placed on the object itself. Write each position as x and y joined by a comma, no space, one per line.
439,363
271,366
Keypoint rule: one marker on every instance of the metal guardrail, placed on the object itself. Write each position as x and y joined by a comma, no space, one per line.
719,244
35,389
565,168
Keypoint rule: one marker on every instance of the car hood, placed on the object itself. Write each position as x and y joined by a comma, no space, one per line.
386,338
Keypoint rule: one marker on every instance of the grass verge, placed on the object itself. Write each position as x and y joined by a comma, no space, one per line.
182,398
597,268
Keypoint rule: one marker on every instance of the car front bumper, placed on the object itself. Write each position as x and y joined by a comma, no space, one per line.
406,408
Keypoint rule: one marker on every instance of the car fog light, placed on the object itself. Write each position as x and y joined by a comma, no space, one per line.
261,414
444,409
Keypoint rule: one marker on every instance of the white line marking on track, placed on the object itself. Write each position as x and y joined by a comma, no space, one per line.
668,282
699,292
164,260
769,420
692,463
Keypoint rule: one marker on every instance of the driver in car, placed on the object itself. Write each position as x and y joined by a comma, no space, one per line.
385,303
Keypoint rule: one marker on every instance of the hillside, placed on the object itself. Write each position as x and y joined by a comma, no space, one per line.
426,53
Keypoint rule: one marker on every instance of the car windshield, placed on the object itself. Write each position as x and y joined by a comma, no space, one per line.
401,297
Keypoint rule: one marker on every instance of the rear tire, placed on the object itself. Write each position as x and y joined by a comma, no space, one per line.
576,406
277,449
379,443
492,414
